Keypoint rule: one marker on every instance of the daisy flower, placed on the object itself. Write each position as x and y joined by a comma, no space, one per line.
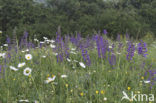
75,61
5,45
45,38
28,56
68,60
73,52
82,65
27,50
147,81
105,99
21,65
43,56
13,68
36,40
73,49
49,79
2,55
27,71
64,76
55,54
24,100
52,46
52,41
42,42
22,51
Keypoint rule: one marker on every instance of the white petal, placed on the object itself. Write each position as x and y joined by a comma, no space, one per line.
147,81
82,65
13,68
68,60
64,76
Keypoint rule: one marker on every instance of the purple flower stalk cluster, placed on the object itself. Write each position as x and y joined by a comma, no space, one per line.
23,41
120,45
142,49
105,32
102,46
112,59
118,38
61,48
76,40
130,50
86,57
8,42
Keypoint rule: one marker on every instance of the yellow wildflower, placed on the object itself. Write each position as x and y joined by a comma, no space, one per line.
97,92
129,88
102,92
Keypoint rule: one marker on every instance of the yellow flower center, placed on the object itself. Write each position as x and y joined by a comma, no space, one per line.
102,92
81,94
97,92
142,77
66,85
27,71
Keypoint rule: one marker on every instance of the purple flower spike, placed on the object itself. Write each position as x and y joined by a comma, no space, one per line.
142,49
118,38
105,32
130,50
112,59
86,57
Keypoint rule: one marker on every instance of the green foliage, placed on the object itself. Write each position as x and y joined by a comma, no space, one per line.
136,17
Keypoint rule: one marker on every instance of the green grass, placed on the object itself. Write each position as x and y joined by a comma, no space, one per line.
81,84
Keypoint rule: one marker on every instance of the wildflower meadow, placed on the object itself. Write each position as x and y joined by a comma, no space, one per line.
73,69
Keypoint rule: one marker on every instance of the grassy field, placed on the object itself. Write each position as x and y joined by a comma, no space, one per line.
66,73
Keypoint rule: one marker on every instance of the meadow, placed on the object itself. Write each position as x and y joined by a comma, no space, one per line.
73,69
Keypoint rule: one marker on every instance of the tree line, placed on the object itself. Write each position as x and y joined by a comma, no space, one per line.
88,17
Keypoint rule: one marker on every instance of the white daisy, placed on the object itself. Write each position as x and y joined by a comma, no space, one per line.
42,42
0,32
105,99
21,65
2,55
28,56
13,68
82,65
64,76
118,53
52,41
36,40
24,100
73,52
52,46
5,45
45,38
55,54
43,56
68,60
49,79
73,49
75,61
27,71
27,50
110,46
147,81
22,51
